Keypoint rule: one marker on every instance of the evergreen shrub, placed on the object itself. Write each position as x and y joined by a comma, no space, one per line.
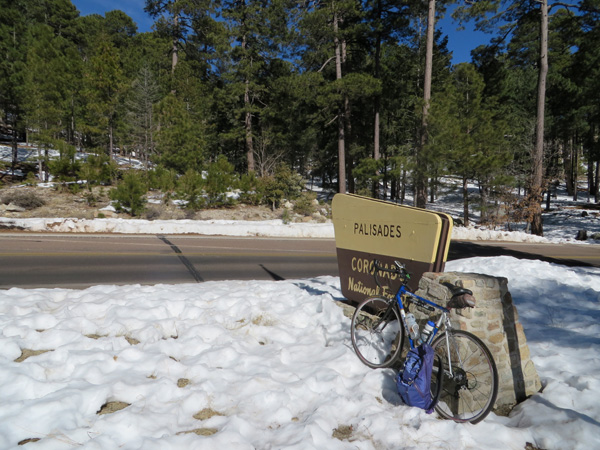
284,184
220,177
189,189
251,189
66,167
97,169
130,193
305,204
165,180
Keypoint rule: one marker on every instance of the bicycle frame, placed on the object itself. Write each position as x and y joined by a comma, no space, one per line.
421,302
402,293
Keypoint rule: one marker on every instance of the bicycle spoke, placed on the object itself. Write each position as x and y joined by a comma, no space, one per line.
376,333
469,392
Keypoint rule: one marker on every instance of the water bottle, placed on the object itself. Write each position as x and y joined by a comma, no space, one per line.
427,329
413,328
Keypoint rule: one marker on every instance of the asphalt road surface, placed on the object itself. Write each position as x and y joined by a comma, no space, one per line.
77,261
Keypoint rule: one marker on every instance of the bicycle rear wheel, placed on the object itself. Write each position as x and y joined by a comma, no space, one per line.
468,393
376,332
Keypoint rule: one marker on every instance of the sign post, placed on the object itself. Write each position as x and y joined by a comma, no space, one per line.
367,229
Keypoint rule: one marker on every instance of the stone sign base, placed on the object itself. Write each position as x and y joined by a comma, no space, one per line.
495,321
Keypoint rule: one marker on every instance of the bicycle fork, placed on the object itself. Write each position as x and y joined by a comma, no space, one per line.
451,345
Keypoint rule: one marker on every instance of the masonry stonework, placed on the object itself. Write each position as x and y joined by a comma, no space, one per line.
496,322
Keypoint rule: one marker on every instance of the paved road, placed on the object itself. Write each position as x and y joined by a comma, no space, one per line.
76,261
567,254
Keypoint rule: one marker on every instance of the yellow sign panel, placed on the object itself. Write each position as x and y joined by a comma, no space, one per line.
366,228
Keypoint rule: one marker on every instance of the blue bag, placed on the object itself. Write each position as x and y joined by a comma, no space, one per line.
414,380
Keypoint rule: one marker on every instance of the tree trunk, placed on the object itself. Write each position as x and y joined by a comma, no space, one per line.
537,159
15,149
376,152
574,169
248,116
465,189
590,172
348,129
46,159
484,191
40,164
340,120
174,44
568,165
597,190
248,128
110,141
403,187
421,172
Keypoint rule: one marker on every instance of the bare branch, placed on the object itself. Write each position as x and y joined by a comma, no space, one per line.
332,120
567,6
326,62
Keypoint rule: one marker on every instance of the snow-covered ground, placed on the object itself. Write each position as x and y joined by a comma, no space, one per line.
30,154
269,364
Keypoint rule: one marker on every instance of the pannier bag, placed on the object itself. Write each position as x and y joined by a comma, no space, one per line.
414,380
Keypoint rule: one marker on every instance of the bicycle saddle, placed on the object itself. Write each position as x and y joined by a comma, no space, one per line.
461,297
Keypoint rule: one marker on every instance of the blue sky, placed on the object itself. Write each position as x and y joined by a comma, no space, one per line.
459,42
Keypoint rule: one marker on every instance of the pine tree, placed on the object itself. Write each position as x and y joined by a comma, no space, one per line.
144,93
105,86
13,48
179,140
466,136
43,90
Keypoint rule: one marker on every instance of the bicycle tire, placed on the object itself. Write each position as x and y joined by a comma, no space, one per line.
470,394
377,340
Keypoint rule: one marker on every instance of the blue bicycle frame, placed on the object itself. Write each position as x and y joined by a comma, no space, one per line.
420,302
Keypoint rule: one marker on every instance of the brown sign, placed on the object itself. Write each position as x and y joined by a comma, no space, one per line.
367,229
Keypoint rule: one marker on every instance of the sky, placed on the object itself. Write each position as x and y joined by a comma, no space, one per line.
460,42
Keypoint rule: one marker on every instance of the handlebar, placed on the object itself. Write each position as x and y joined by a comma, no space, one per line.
398,269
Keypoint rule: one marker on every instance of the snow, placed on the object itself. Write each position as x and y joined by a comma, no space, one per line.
272,361
562,232
31,153
269,364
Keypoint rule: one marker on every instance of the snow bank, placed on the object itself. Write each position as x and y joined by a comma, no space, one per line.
273,228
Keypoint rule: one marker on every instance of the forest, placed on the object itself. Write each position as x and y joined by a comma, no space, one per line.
360,95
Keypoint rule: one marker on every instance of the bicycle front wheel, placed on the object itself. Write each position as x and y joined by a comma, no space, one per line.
376,332
470,378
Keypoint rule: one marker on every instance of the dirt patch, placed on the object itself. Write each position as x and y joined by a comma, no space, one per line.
263,321
183,382
200,431
343,432
26,353
95,336
58,202
132,341
530,446
27,441
112,407
206,414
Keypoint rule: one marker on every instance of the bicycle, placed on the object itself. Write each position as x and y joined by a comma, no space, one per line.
467,387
